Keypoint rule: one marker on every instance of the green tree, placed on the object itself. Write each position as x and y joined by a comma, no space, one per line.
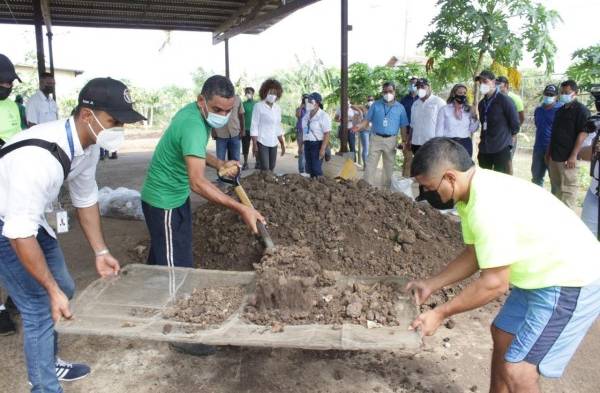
468,33
586,66
199,76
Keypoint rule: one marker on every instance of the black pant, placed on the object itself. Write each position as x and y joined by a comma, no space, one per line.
467,143
170,235
246,140
267,157
415,148
498,162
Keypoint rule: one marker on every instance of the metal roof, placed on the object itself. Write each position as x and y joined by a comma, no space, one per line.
224,18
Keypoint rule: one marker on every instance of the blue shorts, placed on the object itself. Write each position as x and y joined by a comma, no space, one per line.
548,324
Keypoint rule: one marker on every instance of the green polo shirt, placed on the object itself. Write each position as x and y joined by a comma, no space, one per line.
248,108
10,119
167,183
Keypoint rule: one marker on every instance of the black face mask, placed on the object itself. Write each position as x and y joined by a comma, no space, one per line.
4,92
47,90
460,99
434,199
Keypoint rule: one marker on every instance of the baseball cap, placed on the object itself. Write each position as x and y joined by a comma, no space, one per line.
502,79
111,96
551,90
422,82
7,70
485,74
315,97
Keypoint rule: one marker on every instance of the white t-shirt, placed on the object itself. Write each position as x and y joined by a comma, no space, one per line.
316,127
266,123
351,114
423,119
41,109
450,126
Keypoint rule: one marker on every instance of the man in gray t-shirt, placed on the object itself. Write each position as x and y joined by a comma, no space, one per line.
229,136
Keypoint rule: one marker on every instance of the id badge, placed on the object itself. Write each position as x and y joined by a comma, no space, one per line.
62,221
485,126
385,122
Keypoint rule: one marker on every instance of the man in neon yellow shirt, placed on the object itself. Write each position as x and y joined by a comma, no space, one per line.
10,118
515,234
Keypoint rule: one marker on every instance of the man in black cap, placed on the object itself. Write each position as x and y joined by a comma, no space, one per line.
10,124
504,85
34,164
499,125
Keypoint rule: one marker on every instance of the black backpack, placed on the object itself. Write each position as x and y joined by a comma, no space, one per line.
51,147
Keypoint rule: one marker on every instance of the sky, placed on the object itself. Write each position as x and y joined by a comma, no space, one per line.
378,32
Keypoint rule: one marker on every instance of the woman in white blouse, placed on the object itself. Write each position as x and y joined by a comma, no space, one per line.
266,129
316,126
458,120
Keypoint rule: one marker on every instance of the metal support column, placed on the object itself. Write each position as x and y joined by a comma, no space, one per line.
344,87
39,38
51,58
227,58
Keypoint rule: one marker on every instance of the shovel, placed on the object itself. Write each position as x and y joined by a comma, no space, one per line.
239,190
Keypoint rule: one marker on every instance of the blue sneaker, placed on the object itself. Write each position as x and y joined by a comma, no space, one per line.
70,371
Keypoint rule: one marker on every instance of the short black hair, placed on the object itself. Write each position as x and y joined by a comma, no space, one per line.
217,85
570,83
438,151
388,84
46,75
249,89
270,84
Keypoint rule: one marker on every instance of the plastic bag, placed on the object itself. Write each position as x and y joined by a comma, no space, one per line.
403,185
120,203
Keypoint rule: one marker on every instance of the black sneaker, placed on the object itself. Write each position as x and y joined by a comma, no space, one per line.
7,326
11,307
245,166
113,156
70,371
193,349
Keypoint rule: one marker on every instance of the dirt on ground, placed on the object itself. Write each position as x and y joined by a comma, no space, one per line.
349,227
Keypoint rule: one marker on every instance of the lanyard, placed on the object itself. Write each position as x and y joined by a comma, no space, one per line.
487,104
70,138
385,113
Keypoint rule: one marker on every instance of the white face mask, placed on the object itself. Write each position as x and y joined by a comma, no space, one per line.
271,98
421,93
110,138
388,97
484,88
310,106
249,96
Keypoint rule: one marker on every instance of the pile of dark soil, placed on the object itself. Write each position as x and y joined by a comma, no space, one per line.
206,307
350,227
292,288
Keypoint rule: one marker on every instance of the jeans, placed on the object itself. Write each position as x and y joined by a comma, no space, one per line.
231,146
313,163
267,157
364,144
538,167
301,161
40,339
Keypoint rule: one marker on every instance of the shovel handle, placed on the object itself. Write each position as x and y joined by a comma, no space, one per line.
241,193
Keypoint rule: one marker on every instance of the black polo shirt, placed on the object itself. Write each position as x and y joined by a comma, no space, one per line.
568,123
500,114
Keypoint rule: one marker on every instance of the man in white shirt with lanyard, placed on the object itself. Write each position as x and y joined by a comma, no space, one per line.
33,166
41,108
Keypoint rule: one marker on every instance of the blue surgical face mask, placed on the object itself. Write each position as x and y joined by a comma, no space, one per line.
412,88
566,98
214,120
549,100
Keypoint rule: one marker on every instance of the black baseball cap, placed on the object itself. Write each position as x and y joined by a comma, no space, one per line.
7,70
502,79
111,96
315,97
551,90
485,74
422,82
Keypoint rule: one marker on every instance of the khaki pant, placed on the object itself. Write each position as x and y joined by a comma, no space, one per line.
385,147
565,182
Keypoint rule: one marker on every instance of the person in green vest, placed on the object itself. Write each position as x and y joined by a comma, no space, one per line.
22,111
10,118
246,138
10,124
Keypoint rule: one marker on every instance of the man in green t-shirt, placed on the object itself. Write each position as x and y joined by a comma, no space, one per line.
246,138
10,119
178,165
518,235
